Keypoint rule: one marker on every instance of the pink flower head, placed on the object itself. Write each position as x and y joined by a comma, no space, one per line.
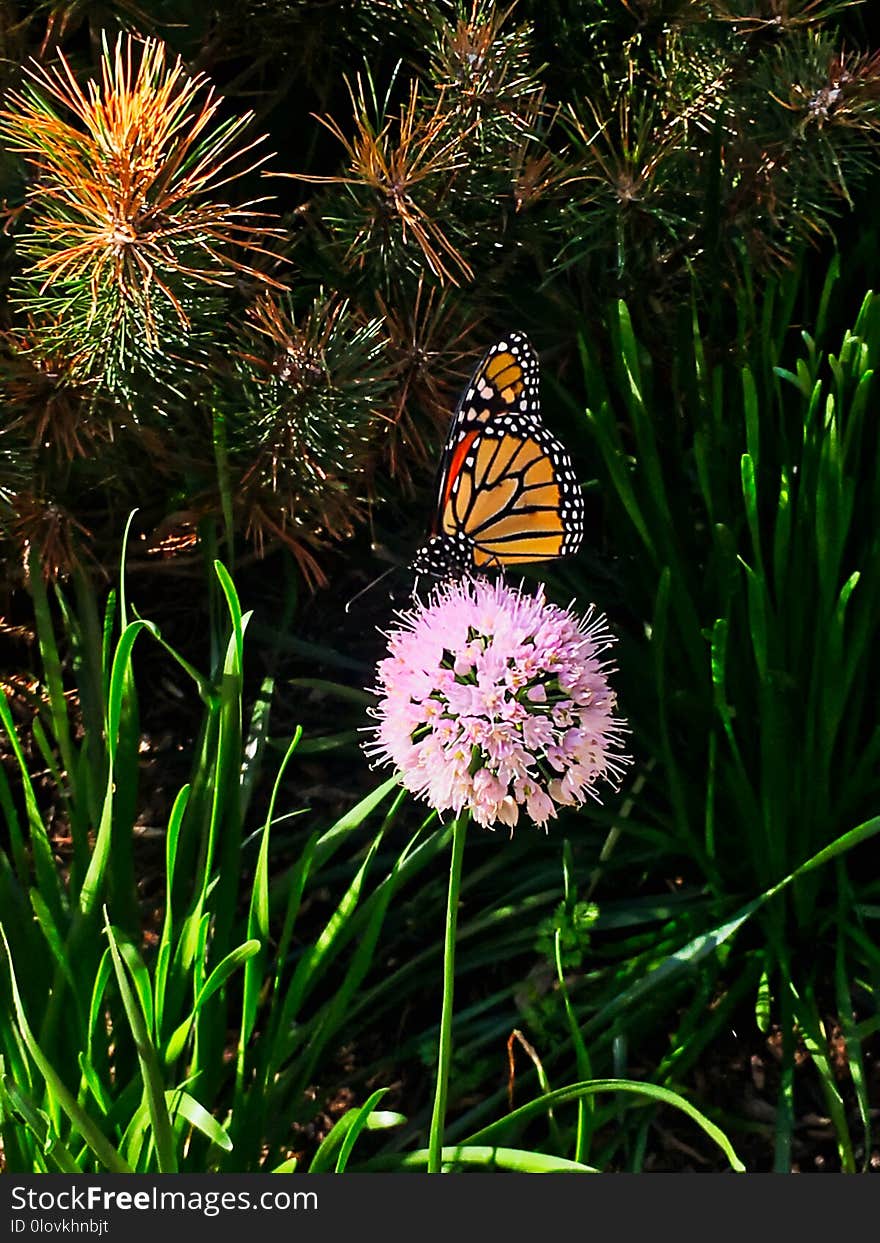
495,701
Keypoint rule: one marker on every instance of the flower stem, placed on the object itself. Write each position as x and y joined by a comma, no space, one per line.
438,1118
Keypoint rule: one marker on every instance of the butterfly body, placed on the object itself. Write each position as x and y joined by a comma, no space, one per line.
507,493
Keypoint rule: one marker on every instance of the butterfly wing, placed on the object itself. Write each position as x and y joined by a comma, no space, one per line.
507,493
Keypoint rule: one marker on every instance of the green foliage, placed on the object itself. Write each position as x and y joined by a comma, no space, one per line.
740,509
740,483
194,1048
126,1066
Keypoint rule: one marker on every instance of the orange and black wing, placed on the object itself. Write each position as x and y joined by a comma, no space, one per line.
507,493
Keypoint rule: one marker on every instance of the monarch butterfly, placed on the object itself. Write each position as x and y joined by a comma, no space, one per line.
506,490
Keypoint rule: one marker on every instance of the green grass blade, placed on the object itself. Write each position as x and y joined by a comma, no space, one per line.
214,981
51,662
235,613
816,1042
258,922
163,953
44,862
336,1147
154,1088
486,1159
650,1091
585,1104
119,676
181,1104
13,826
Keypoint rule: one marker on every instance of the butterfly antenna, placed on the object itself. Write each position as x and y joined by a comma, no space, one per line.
363,591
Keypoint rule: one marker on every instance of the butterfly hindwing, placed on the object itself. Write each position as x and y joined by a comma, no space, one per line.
507,493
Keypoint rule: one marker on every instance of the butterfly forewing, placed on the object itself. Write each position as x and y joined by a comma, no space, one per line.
507,493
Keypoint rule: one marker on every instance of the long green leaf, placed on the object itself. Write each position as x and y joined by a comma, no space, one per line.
649,1091
486,1158
154,1089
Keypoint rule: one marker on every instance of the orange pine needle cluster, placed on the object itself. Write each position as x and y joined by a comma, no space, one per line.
405,165
486,71
120,194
